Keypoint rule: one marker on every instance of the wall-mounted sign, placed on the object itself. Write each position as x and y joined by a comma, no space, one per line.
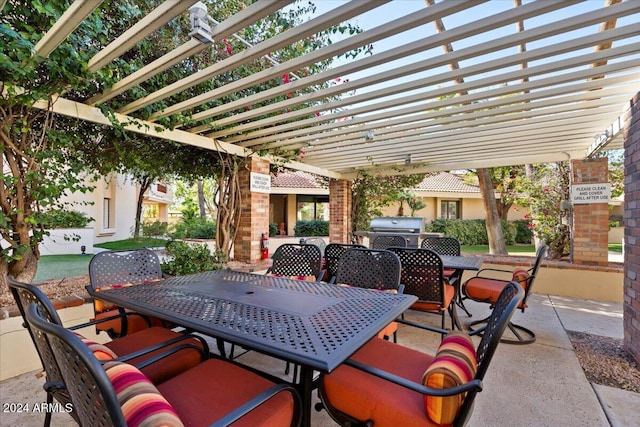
590,193
260,183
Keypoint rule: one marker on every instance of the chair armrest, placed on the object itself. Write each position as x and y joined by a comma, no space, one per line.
496,270
107,319
422,326
252,404
204,350
160,356
417,387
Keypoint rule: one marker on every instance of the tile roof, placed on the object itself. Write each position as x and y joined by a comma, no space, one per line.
449,182
297,179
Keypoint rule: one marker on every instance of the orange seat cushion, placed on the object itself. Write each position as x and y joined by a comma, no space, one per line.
388,330
367,397
455,364
305,278
214,388
488,290
165,368
135,322
449,293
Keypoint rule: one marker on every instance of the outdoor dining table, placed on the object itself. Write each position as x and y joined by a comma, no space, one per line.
313,324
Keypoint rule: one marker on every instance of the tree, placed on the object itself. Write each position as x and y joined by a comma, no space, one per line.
497,245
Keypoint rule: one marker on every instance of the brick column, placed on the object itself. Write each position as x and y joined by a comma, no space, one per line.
339,211
254,218
590,221
632,228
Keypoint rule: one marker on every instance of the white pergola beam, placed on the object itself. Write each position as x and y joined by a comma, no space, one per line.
141,29
290,36
65,25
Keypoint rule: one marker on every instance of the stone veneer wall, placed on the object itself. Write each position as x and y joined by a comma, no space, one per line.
254,219
590,221
632,229
339,211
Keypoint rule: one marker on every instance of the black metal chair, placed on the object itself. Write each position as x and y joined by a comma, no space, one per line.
447,246
215,392
384,242
140,347
371,269
332,254
486,288
318,241
298,261
117,268
422,275
384,383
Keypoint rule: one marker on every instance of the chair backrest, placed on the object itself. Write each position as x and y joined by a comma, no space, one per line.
421,273
369,268
293,259
124,266
332,254
318,241
26,294
533,272
384,242
505,306
94,399
442,245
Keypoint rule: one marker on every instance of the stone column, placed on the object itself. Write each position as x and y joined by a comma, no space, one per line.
254,219
632,228
339,211
591,220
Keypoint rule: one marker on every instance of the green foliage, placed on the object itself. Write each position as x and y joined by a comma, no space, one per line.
133,243
196,228
187,258
64,219
616,220
155,228
524,234
273,229
471,231
311,228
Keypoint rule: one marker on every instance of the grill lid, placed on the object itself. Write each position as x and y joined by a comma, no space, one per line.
403,224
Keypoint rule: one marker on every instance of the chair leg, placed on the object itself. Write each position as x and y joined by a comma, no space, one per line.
522,334
47,416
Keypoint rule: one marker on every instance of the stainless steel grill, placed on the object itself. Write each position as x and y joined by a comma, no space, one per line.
409,227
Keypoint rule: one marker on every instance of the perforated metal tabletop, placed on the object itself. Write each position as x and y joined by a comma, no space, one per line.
310,323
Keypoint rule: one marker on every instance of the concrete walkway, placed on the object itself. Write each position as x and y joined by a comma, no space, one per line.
541,384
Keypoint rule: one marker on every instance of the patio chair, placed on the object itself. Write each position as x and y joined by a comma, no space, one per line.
384,242
332,254
123,268
387,384
371,269
447,246
181,351
297,261
318,241
422,275
485,288
116,393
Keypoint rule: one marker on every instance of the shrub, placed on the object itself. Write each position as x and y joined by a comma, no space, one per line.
524,234
273,229
616,220
471,231
187,258
311,228
155,228
195,228
64,219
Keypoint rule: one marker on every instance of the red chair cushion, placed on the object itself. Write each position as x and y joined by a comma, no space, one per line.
141,402
455,364
367,397
214,388
165,368
305,278
484,289
135,322
100,351
449,293
521,276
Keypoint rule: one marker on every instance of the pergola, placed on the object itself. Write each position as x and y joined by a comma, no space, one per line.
540,82
490,84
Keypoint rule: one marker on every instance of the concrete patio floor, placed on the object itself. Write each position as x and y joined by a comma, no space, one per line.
540,384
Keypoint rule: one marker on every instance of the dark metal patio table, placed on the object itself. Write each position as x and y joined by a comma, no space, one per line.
313,324
461,263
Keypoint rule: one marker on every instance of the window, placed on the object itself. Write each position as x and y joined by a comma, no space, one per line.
450,209
106,217
310,208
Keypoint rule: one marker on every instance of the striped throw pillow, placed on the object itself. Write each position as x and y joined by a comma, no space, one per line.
141,402
100,351
455,364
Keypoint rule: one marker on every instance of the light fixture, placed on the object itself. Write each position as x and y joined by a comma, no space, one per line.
200,28
407,160
83,249
368,137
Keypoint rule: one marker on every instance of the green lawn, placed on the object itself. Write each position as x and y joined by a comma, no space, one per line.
513,250
59,266
141,242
